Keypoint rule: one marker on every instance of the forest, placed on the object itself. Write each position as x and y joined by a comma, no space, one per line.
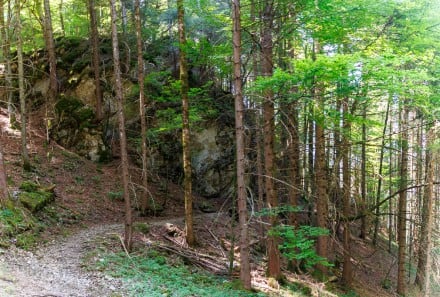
261,147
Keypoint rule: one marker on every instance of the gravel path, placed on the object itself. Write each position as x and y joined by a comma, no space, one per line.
55,270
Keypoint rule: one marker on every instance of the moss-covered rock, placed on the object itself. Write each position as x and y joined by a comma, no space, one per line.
29,186
33,197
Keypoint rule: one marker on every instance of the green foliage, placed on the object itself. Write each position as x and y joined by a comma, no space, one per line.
74,114
118,195
14,219
298,243
141,227
13,222
152,274
276,211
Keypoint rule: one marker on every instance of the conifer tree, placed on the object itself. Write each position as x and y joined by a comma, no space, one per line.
128,234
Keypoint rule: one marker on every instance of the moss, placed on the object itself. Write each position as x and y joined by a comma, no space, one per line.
68,105
35,201
34,197
14,220
29,186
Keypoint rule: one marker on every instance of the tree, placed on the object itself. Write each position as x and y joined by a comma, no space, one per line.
245,271
3,184
347,271
184,87
379,181
402,211
274,268
426,227
144,204
50,47
128,235
321,180
21,89
94,36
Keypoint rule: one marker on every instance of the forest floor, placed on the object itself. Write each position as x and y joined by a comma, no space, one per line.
88,207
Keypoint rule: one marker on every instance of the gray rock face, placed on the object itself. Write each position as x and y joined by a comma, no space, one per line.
213,161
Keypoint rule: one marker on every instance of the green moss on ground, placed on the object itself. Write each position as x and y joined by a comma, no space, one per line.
34,197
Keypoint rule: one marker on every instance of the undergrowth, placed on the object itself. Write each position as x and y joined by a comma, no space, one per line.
152,274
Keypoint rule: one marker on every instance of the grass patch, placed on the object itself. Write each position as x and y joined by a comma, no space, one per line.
17,226
152,274
295,289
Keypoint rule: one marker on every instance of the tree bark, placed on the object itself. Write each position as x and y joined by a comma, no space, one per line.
128,235
21,90
50,46
144,202
401,228
3,183
364,222
347,270
274,269
425,246
294,160
379,181
60,10
6,56
187,180
245,270
94,37
321,179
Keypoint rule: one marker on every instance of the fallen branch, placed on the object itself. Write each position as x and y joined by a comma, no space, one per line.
204,261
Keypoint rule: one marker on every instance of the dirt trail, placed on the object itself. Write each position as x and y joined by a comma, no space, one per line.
55,270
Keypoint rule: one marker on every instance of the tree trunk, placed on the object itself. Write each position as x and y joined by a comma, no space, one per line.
321,179
21,90
401,228
60,10
94,37
123,138
347,271
364,222
185,125
50,47
6,56
274,269
379,181
294,160
245,270
144,201
3,184
425,246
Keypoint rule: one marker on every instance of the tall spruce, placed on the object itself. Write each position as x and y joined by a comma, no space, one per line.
21,89
144,201
184,88
128,230
273,253
427,221
402,207
245,272
94,38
